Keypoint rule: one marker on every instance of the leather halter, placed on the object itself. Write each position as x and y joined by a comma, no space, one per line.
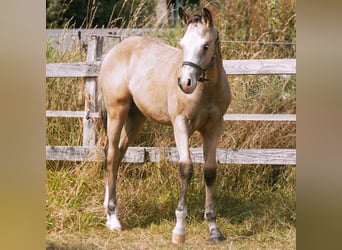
200,68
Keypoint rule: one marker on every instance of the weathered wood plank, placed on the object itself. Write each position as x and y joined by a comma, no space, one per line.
74,153
226,117
75,69
154,154
230,156
75,114
262,67
90,153
259,117
232,67
90,92
257,156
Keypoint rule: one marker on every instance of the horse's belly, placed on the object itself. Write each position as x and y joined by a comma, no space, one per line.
156,116
153,109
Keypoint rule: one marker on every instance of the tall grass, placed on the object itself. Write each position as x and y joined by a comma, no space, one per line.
255,203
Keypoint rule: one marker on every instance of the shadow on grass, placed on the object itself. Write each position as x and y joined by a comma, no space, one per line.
54,246
263,203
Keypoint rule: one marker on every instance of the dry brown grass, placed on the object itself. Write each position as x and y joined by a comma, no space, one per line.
255,205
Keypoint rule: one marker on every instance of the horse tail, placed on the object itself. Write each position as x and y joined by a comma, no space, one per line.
101,106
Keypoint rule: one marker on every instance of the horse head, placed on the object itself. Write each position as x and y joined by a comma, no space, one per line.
199,49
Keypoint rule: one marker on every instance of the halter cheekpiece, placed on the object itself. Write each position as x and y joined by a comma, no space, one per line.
200,68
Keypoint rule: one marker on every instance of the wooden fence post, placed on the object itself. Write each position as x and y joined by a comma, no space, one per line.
94,52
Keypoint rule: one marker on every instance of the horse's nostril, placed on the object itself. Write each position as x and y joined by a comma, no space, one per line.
189,83
179,83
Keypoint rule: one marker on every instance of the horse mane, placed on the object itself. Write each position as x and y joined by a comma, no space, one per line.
196,18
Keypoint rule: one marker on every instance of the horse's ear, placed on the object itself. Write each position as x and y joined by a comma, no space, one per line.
183,16
207,19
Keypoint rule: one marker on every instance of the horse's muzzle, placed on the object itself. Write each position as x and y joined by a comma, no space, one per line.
187,86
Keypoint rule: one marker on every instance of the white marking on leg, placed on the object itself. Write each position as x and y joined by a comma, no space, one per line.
179,230
212,225
105,203
113,222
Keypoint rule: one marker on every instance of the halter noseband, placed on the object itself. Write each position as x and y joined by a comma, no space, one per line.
200,68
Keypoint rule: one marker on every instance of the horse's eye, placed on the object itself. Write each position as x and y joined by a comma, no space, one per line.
206,47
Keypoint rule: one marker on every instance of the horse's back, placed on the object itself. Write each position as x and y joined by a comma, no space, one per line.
143,69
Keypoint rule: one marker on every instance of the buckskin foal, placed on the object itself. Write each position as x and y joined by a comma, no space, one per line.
187,88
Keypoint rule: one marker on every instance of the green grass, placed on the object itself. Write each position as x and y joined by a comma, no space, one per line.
256,204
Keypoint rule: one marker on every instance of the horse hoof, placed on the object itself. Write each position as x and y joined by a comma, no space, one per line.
178,239
113,227
113,223
216,236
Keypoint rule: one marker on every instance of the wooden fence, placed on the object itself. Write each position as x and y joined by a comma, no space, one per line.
90,152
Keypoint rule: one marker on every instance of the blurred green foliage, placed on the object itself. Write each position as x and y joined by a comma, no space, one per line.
95,13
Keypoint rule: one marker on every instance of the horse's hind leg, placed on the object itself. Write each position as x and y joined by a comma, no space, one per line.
131,128
117,115
123,130
210,139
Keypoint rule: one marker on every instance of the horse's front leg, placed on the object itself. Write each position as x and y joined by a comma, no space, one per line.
181,133
210,139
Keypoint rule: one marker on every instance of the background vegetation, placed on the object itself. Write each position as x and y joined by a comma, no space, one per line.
96,13
256,204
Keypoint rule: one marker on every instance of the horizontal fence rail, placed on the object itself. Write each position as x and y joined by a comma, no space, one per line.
260,67
226,117
73,114
232,67
260,117
90,152
155,154
78,69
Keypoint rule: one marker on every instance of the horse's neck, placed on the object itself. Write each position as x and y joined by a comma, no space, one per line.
216,70
218,47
